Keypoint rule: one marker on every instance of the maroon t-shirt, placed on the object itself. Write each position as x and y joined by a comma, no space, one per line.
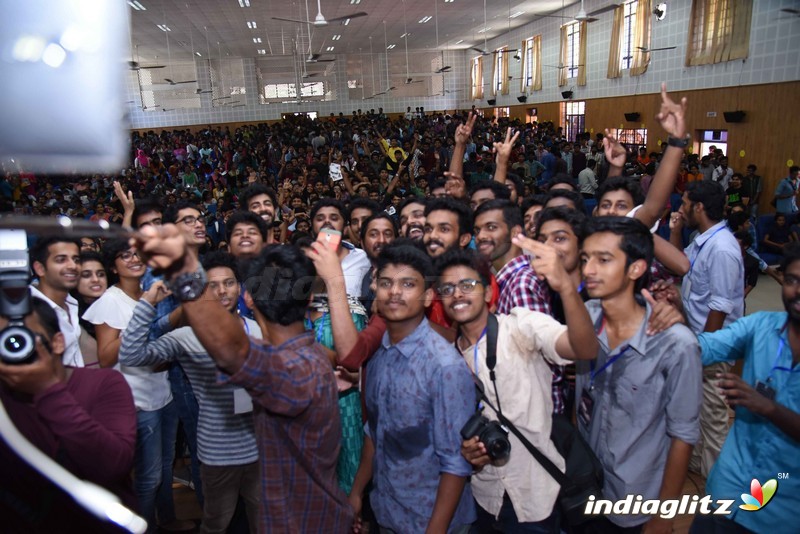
88,425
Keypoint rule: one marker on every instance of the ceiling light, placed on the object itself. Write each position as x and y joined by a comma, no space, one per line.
448,1
336,37
329,49
423,20
137,6
256,39
515,15
346,22
354,2
390,47
261,51
163,27
484,30
405,35
198,54
252,25
244,3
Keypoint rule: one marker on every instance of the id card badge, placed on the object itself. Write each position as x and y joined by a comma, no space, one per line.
586,407
765,389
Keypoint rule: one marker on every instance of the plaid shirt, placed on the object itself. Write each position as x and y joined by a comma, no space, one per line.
520,288
298,432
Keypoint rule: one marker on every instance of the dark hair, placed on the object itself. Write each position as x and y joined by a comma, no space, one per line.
410,200
111,249
745,237
454,206
736,220
146,205
47,316
562,178
591,163
280,280
328,202
710,194
170,214
459,257
301,239
410,256
220,258
246,217
512,216
635,240
377,216
254,190
90,255
791,254
534,200
500,191
617,183
364,203
573,196
519,186
40,250
575,219
793,169
437,183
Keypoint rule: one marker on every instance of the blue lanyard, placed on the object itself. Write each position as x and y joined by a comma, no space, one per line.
595,374
475,351
776,367
581,286
697,253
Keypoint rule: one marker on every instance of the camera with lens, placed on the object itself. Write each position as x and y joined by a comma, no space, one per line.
17,344
492,434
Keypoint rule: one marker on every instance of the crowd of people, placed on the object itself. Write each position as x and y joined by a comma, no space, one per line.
304,308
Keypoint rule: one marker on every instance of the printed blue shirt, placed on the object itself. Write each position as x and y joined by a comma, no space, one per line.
755,448
419,394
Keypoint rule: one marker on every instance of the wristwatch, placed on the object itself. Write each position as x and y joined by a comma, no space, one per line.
187,287
682,142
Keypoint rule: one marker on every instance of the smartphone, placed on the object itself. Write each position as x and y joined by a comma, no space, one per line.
330,238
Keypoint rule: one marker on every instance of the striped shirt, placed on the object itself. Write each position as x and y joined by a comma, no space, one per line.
223,438
299,433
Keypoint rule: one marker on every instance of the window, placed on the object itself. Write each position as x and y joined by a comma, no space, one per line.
274,91
719,30
573,49
631,138
499,71
309,114
527,66
532,115
501,112
476,75
716,138
628,30
573,119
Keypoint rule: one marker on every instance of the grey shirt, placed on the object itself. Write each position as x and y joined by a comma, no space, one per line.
648,396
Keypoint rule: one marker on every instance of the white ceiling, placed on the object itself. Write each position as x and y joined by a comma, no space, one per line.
219,27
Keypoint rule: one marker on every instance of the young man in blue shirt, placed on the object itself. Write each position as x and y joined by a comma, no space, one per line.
765,437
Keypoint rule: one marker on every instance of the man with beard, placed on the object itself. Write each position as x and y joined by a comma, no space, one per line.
56,261
448,224
226,441
261,200
330,213
766,399
376,232
712,294
359,210
526,343
412,218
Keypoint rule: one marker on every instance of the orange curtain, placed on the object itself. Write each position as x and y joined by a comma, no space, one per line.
537,63
582,32
615,49
641,38
504,85
562,62
719,31
476,78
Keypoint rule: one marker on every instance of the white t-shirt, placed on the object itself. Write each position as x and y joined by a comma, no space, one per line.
150,390
69,326
354,266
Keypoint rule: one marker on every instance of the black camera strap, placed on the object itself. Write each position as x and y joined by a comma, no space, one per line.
491,360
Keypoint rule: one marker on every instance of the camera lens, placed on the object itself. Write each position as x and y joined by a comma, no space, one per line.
16,345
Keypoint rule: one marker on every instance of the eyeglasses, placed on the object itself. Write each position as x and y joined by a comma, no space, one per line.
189,220
127,256
466,286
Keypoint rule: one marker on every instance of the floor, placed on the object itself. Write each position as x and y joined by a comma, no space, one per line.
765,297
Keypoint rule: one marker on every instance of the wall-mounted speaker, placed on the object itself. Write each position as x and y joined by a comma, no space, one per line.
566,94
522,99
491,102
734,116
632,117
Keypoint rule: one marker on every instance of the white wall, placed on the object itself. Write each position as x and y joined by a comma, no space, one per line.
774,57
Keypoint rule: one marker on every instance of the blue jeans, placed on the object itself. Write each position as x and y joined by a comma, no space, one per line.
187,410
150,462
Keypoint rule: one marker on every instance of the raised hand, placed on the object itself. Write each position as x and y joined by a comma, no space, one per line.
662,316
671,115
616,154
463,131
503,149
546,263
126,199
455,186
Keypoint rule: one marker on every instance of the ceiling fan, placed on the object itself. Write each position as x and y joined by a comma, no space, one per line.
320,18
409,80
442,70
795,12
646,49
200,91
134,65
169,60
314,58
172,82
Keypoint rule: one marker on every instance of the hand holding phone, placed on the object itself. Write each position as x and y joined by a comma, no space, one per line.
330,238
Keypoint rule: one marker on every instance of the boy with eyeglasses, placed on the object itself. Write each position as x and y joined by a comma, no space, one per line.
517,495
